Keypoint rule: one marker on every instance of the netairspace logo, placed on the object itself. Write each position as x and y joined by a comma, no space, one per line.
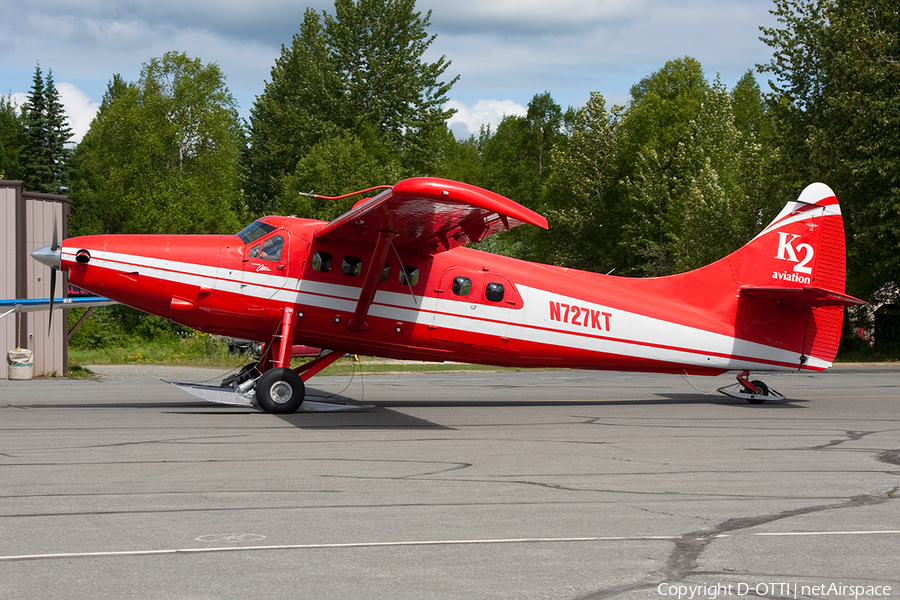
682,591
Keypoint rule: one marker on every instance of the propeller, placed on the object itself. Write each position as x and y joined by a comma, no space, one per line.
50,256
54,247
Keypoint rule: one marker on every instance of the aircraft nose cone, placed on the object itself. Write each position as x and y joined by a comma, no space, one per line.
48,256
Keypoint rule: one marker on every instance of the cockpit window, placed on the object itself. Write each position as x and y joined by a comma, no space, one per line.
321,262
271,248
254,231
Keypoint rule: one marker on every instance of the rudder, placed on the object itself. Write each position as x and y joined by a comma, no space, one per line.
799,260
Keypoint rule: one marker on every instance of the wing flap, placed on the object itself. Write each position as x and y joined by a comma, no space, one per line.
428,216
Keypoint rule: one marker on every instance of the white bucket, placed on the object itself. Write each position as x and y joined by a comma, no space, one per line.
21,364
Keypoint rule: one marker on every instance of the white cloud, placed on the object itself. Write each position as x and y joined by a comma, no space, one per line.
79,109
469,120
510,49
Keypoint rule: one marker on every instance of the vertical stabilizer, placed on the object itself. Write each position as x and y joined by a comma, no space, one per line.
797,267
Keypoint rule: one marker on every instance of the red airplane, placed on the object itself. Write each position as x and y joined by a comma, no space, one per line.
392,277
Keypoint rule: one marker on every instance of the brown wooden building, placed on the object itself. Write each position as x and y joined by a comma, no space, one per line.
26,223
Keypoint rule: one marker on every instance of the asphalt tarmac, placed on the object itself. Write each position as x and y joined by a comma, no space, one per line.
473,485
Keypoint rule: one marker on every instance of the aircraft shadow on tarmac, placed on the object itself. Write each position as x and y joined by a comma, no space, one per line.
383,417
376,418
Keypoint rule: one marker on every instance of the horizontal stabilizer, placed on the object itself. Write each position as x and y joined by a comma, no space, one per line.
805,296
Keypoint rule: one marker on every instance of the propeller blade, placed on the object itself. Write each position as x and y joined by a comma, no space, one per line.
54,246
52,295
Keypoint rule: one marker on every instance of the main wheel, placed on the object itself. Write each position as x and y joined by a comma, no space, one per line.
280,391
763,391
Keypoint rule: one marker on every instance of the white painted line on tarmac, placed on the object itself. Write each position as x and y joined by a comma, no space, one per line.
800,533
395,544
330,546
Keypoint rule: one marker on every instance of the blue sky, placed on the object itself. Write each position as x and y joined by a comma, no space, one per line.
505,51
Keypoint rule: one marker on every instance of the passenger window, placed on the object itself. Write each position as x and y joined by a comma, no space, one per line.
494,292
462,286
409,275
386,272
271,248
321,262
351,266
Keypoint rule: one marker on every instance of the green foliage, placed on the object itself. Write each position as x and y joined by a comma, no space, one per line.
340,165
12,139
359,76
300,106
516,163
834,95
162,154
120,335
581,206
44,155
378,47
117,325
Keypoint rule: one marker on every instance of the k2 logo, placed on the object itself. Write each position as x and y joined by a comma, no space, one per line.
786,251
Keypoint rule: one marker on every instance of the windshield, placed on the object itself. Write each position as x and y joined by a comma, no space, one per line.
254,231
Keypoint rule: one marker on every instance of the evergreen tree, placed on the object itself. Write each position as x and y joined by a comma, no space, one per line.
349,75
44,156
58,135
35,157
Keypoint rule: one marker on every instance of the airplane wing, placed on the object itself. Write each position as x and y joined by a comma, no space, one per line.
428,216
32,305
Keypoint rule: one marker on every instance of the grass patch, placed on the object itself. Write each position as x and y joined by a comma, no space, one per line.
210,351
76,371
195,349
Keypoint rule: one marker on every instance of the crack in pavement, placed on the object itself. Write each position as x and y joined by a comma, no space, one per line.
684,558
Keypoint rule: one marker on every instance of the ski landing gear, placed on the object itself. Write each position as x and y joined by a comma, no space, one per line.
272,384
754,392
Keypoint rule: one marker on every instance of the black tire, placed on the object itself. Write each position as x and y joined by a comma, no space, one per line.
280,391
763,391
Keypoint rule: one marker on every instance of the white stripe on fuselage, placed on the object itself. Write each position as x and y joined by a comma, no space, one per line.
629,334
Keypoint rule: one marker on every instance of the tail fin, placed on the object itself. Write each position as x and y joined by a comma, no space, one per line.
797,267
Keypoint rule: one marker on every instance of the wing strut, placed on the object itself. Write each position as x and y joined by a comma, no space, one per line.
367,294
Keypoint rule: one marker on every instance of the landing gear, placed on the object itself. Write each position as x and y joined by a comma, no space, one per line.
754,392
761,389
280,391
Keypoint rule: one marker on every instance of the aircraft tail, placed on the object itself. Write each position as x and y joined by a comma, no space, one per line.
791,279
